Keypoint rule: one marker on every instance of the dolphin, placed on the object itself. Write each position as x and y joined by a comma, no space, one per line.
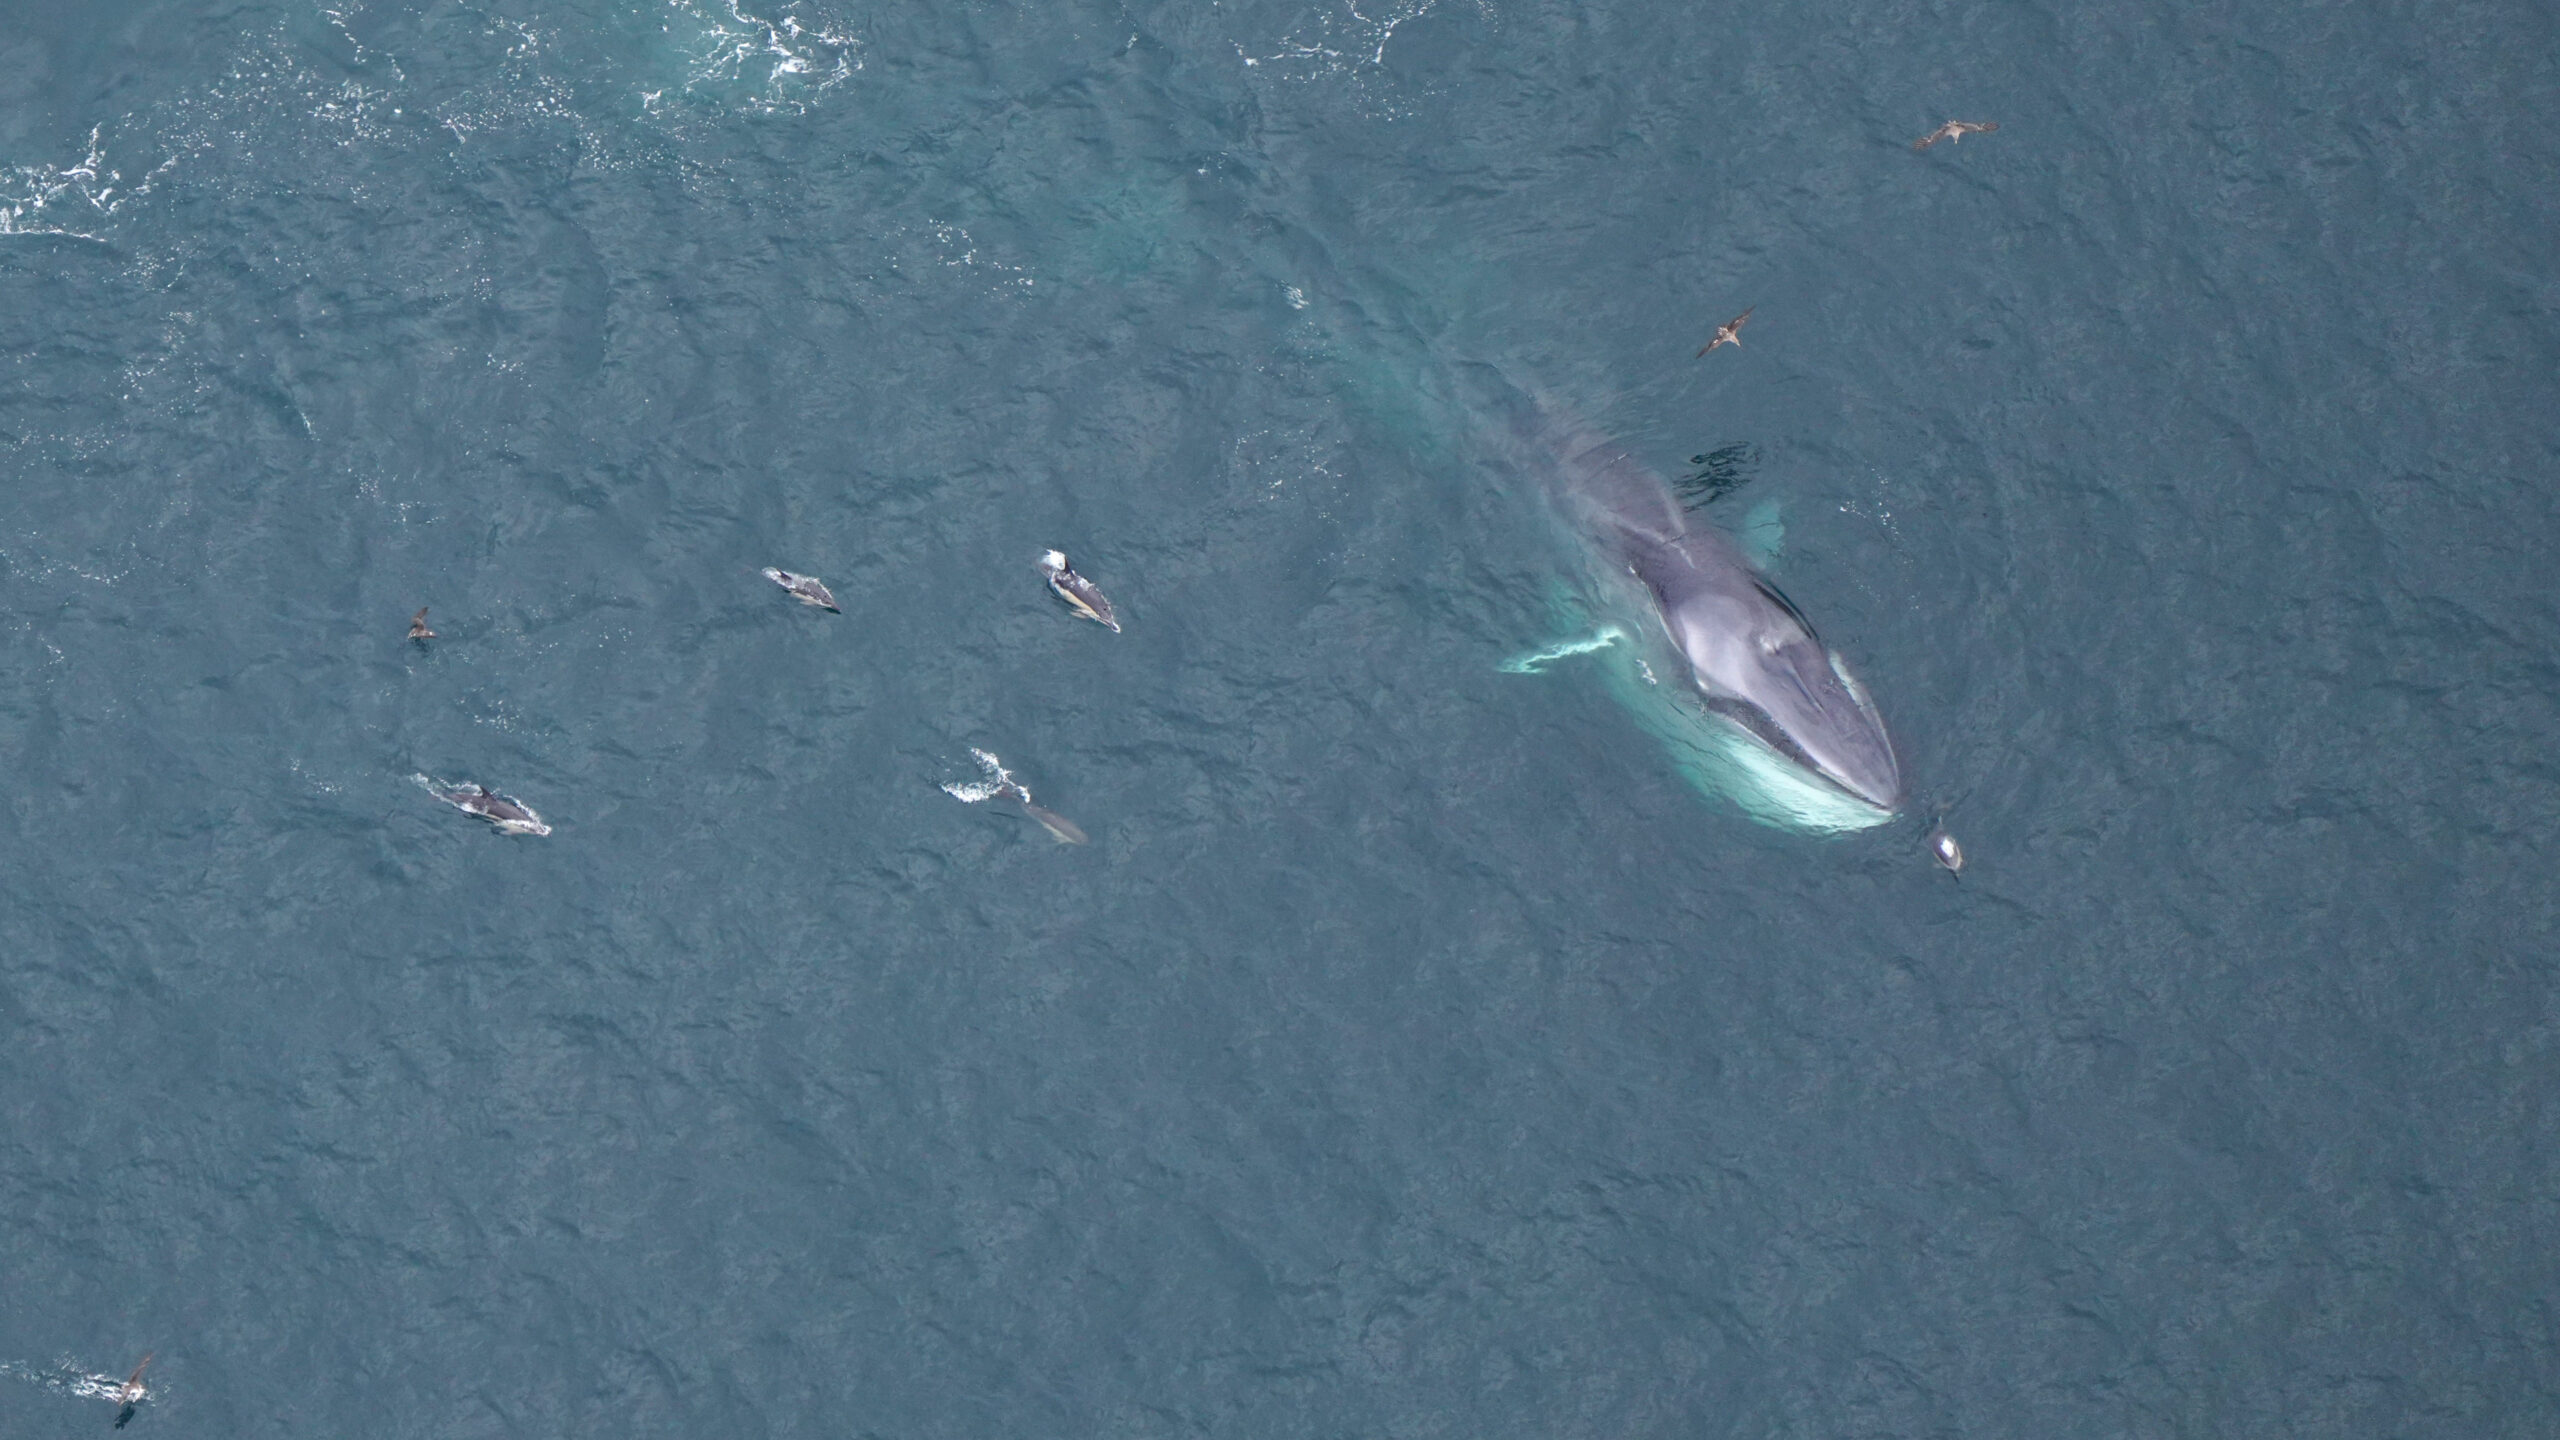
807,589
128,1396
1728,641
1077,591
510,815
1000,783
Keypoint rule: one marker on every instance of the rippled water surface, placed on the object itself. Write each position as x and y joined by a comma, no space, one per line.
1413,1051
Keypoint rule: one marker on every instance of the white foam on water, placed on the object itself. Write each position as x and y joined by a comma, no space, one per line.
958,250
53,200
1344,42
66,1378
999,781
1336,39
970,792
770,63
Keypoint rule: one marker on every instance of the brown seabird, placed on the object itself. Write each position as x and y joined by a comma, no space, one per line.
1730,332
418,626
1955,130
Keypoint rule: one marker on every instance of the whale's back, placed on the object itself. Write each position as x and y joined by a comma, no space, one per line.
1750,653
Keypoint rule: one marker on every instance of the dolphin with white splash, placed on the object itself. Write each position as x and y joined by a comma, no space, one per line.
510,815
1733,677
1001,784
129,1395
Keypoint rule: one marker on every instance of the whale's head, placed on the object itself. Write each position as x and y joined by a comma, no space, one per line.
1757,663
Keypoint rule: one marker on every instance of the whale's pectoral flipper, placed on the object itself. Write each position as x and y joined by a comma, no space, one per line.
1538,660
1762,533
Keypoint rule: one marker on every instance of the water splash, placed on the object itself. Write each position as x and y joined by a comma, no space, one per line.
46,200
66,1378
782,62
1000,781
1538,660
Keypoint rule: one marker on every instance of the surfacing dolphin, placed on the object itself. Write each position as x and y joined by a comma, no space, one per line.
510,815
1724,636
128,1396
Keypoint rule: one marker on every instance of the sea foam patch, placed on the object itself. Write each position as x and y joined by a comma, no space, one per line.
999,781
67,1378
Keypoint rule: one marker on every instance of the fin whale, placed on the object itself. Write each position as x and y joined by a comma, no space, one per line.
1728,641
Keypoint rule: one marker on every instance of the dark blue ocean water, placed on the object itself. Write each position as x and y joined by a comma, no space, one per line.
1413,1052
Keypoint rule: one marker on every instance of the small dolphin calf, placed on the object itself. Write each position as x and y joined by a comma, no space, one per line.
807,589
1077,590
129,1395
510,815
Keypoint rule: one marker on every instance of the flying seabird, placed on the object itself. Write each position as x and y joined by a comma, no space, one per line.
807,589
418,626
1077,590
130,1394
1730,332
1955,130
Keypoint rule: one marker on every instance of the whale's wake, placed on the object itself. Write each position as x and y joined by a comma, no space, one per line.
1000,781
66,1378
